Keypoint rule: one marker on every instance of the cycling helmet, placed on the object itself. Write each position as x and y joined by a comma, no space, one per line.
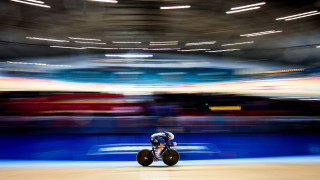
169,135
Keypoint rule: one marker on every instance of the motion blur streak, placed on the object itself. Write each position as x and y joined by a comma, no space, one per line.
84,39
176,7
292,16
47,39
247,6
289,19
241,10
104,1
33,4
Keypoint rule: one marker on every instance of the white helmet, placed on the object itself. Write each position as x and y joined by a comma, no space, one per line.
169,135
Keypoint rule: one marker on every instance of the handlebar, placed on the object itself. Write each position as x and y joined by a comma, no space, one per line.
172,144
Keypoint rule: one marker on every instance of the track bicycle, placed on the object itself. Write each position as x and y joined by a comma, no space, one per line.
169,156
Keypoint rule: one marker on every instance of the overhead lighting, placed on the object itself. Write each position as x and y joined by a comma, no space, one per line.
161,49
223,50
241,10
302,16
99,48
245,8
250,5
47,39
163,42
84,42
186,50
84,39
133,48
298,15
249,42
129,55
104,1
175,7
317,46
200,43
66,47
125,42
33,3
260,33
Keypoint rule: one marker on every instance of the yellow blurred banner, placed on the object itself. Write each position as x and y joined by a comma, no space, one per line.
225,108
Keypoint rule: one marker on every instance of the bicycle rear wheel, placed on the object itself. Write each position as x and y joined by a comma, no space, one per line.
170,158
145,157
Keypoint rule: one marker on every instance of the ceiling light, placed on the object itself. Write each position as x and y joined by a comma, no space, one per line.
84,39
161,49
237,43
169,44
200,43
66,47
83,42
260,33
98,48
223,50
302,16
125,42
161,42
186,50
296,15
247,6
128,55
47,39
39,3
133,48
104,1
241,10
35,1
175,7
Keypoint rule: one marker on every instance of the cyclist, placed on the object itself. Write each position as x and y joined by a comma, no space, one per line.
158,138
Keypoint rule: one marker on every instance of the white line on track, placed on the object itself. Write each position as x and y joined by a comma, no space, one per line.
21,164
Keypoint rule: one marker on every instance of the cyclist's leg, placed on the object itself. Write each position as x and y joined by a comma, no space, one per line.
159,149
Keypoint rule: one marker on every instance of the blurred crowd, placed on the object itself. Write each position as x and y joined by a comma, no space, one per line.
66,112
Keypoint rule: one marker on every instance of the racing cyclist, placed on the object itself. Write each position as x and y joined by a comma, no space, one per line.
157,140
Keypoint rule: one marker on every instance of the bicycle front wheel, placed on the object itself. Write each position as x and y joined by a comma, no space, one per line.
145,157
170,157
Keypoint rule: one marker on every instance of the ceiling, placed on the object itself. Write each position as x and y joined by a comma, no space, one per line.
143,21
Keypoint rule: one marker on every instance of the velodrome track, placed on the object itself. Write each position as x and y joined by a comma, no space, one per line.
284,168
212,156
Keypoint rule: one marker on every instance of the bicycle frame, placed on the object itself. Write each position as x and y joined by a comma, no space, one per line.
167,146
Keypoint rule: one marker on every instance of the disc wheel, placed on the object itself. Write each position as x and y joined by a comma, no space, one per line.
145,157
170,158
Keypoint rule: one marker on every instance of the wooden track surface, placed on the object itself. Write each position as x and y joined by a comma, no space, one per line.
182,172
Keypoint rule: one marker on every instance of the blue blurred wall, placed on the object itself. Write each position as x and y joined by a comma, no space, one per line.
219,146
